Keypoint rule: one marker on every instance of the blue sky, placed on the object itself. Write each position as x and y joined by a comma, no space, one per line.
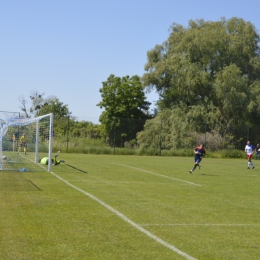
67,48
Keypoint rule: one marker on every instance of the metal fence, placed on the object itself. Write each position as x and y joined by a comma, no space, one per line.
162,135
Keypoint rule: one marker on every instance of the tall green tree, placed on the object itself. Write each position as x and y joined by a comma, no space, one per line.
211,70
42,106
60,113
125,108
55,106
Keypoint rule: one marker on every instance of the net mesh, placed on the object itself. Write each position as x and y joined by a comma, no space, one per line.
23,156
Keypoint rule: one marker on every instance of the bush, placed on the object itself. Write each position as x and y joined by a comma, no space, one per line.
96,146
228,153
147,151
178,152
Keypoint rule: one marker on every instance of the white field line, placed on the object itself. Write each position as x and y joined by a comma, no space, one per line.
108,182
205,224
119,214
156,174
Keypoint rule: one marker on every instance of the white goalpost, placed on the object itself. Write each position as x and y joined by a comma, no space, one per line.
23,141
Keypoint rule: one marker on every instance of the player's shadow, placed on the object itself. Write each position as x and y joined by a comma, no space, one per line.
209,174
76,168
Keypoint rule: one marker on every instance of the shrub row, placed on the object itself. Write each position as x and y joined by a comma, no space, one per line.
91,147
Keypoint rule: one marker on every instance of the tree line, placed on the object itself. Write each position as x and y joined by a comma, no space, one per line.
206,73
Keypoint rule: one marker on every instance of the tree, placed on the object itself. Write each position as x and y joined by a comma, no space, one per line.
60,114
38,101
84,129
211,70
53,105
125,108
42,106
26,112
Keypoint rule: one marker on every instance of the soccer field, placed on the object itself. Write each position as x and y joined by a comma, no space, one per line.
131,207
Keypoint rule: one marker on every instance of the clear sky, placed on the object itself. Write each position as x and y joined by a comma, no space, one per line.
67,48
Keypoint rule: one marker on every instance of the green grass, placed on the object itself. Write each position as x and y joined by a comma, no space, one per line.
212,214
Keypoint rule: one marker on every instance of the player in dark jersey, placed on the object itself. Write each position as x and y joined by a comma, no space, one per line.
199,152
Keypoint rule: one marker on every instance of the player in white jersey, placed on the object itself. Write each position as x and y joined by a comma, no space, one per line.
249,150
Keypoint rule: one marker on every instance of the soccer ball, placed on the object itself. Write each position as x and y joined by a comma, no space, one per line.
4,157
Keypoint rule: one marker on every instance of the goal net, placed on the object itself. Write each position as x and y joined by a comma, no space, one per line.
23,141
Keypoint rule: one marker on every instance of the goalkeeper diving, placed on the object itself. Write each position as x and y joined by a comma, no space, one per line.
45,160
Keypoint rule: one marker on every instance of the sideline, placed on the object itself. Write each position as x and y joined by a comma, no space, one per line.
157,174
119,214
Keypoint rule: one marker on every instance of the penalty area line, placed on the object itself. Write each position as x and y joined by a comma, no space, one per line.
126,219
165,176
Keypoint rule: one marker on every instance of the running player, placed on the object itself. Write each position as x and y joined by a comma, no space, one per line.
199,152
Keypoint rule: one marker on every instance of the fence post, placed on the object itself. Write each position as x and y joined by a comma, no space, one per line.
160,139
114,135
68,129
205,134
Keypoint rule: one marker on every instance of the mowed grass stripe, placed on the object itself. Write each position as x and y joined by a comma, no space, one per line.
218,220
161,175
126,219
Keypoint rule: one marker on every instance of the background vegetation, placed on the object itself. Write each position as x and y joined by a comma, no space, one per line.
208,80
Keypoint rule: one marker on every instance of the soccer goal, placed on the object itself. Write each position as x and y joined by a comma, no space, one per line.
24,141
